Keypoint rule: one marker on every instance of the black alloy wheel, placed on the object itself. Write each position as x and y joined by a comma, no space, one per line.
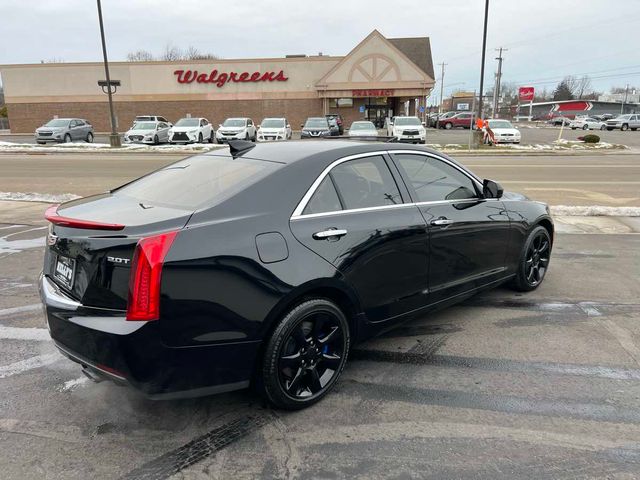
534,261
305,355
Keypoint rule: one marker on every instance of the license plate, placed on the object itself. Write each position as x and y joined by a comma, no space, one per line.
410,136
65,267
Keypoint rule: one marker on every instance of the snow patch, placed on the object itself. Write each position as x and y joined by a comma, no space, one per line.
29,364
85,147
594,211
38,197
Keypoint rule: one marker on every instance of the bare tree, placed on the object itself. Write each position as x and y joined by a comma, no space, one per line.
583,86
140,56
622,89
171,53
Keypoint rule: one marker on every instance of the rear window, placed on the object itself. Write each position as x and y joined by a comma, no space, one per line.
198,181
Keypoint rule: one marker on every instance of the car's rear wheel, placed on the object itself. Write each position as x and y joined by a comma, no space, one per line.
534,260
305,355
89,138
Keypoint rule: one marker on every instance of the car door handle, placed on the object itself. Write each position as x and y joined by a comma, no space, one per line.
440,222
329,233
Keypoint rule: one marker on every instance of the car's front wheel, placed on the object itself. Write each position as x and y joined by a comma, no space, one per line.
624,127
585,127
200,137
534,260
305,355
89,138
67,138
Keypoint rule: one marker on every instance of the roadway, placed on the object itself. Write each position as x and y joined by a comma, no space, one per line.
585,179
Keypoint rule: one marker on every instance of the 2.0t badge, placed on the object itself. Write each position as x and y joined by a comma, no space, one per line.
122,261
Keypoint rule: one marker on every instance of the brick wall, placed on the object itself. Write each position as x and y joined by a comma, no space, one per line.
26,117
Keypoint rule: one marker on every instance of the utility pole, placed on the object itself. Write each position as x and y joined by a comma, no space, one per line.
626,91
114,138
496,88
484,51
441,93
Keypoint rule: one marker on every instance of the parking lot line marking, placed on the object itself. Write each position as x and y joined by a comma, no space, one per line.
196,450
63,433
25,308
29,364
26,333
495,364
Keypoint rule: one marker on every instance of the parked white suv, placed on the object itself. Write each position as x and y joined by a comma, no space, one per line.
241,128
407,129
191,130
274,129
624,122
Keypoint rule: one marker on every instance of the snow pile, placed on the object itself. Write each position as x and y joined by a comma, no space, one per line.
594,211
38,197
85,147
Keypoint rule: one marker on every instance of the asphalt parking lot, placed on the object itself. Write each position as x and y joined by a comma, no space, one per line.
538,385
531,135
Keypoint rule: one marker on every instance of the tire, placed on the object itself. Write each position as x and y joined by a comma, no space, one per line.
200,137
603,127
624,127
156,140
448,126
310,339
67,138
585,127
246,136
211,137
534,260
573,128
633,129
42,143
89,138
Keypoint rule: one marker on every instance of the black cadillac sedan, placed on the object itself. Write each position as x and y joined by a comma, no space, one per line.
262,264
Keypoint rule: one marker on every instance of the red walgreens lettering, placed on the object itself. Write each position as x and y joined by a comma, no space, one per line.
222,78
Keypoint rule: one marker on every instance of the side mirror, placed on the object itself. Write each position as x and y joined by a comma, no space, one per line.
491,189
302,125
288,125
424,124
258,126
219,125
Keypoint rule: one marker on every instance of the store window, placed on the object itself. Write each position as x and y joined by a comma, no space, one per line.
340,102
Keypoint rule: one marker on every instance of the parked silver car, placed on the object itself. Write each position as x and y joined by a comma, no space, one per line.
64,130
624,122
148,132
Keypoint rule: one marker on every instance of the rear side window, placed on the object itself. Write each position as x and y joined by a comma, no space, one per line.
365,182
198,181
325,199
434,180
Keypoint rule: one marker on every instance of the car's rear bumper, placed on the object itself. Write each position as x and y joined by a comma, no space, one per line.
133,353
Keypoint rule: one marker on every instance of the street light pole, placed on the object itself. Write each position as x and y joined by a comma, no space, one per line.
114,138
484,49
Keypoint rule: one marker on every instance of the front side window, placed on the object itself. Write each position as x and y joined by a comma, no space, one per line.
434,180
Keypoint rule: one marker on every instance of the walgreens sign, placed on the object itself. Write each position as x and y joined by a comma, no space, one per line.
220,79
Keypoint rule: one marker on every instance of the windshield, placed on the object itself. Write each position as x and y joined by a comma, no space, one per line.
407,121
317,123
188,122
57,123
362,126
272,123
500,124
234,122
197,181
144,126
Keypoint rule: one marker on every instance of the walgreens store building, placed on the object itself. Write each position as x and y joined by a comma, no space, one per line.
380,77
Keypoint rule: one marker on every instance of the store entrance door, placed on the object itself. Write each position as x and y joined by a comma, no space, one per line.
377,114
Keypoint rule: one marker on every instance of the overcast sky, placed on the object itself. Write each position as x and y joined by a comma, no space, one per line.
546,39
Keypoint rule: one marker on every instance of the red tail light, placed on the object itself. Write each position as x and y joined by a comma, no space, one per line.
146,271
51,214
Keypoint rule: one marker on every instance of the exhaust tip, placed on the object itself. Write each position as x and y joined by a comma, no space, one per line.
91,375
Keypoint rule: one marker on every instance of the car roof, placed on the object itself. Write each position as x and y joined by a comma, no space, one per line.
301,150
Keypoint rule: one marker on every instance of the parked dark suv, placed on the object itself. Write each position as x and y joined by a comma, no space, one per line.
316,127
262,264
